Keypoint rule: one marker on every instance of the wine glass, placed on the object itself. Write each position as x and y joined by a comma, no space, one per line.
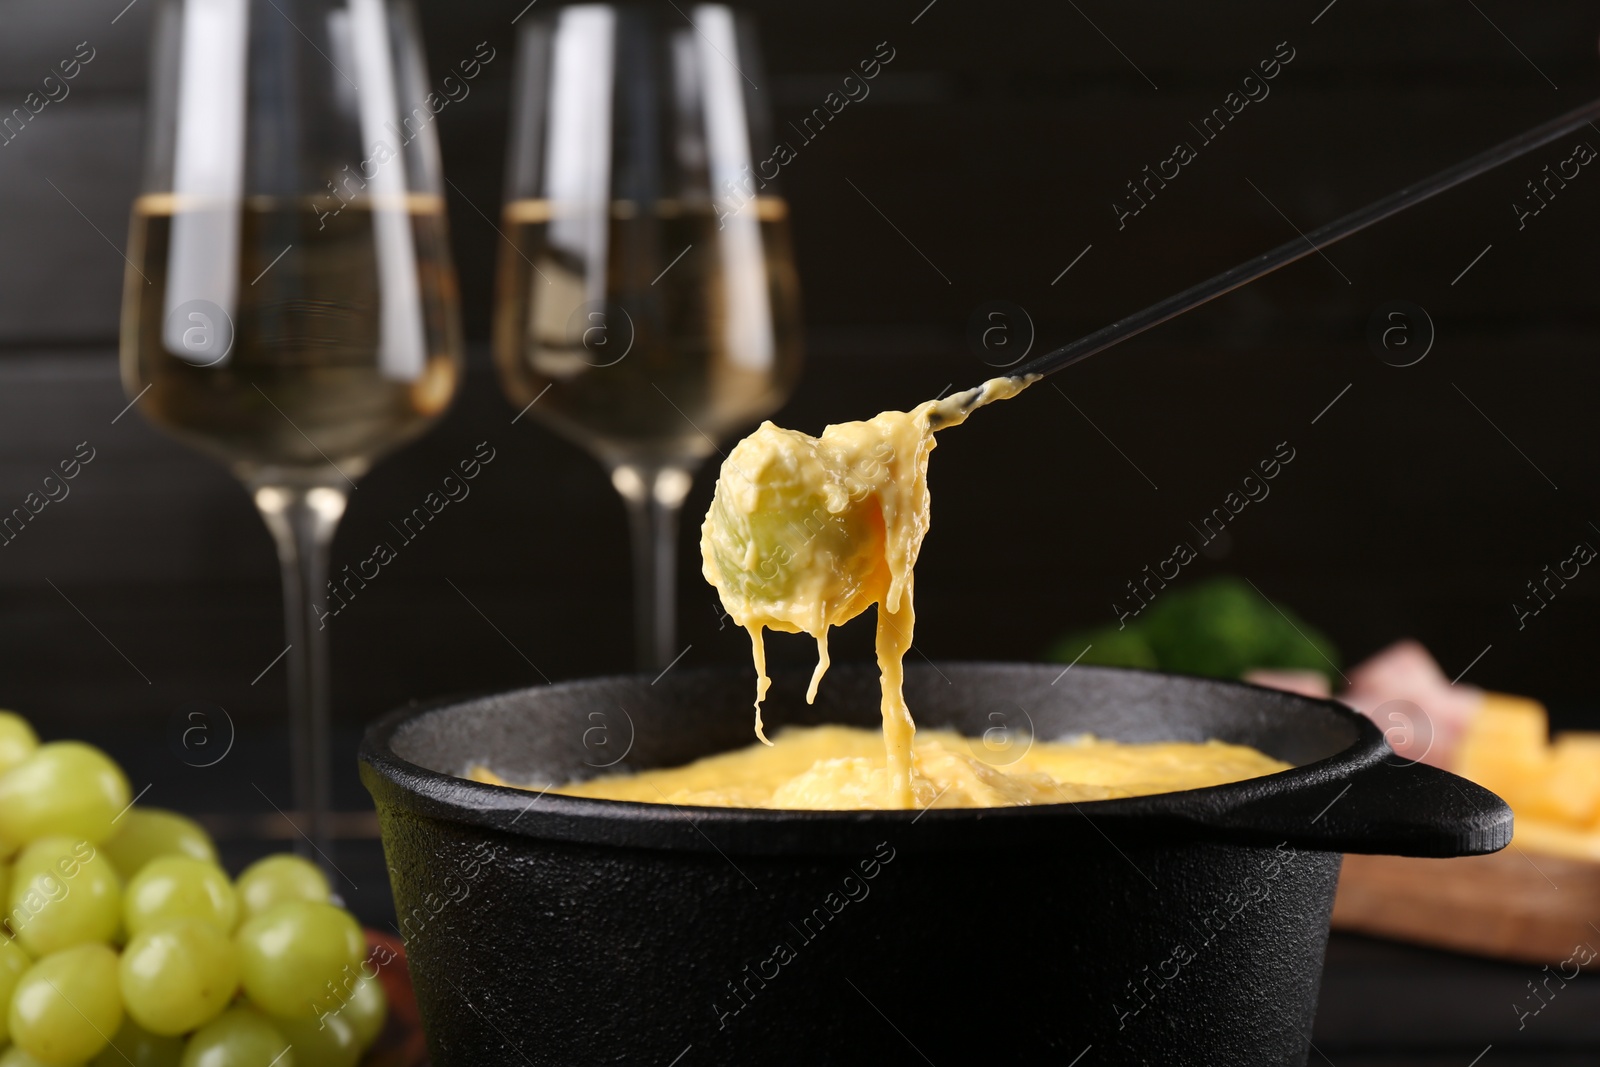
290,307
647,300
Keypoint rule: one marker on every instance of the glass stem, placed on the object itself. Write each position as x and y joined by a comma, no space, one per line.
654,497
302,520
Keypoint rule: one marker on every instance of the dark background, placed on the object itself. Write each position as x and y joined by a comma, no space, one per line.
996,141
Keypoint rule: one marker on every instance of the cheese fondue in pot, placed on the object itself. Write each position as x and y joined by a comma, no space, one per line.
805,533
843,767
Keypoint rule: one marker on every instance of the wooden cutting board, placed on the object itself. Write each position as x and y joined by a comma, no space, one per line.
1511,905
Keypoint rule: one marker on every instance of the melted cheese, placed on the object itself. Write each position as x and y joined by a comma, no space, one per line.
844,767
805,532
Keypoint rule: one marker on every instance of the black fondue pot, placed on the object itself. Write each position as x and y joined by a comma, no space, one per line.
1185,928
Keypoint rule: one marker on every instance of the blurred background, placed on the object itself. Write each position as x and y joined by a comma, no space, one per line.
985,165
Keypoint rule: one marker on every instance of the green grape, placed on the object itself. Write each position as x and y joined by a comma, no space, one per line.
66,1005
145,833
139,1047
180,887
64,787
278,878
13,962
290,953
239,1037
784,513
63,893
366,1009
178,975
754,551
17,740
15,1057
322,1041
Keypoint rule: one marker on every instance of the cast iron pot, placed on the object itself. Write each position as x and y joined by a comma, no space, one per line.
1173,929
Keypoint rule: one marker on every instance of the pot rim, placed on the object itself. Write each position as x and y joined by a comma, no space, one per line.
1288,805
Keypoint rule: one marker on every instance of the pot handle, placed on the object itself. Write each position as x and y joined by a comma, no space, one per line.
1388,806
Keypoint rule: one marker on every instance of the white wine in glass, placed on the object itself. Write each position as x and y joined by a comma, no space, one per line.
290,307
647,302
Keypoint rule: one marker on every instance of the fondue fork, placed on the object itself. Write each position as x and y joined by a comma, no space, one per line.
1282,256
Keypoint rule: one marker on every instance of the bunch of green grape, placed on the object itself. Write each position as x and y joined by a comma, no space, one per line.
124,942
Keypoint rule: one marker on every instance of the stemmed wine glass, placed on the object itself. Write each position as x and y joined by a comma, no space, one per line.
290,307
647,300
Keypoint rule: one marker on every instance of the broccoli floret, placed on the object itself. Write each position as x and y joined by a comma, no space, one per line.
1220,628
1107,647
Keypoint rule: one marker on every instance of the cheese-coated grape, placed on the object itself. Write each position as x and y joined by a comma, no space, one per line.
17,740
67,1005
278,878
64,892
290,953
366,1009
178,975
325,1041
143,834
64,787
13,962
239,1037
135,1045
180,887
763,544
